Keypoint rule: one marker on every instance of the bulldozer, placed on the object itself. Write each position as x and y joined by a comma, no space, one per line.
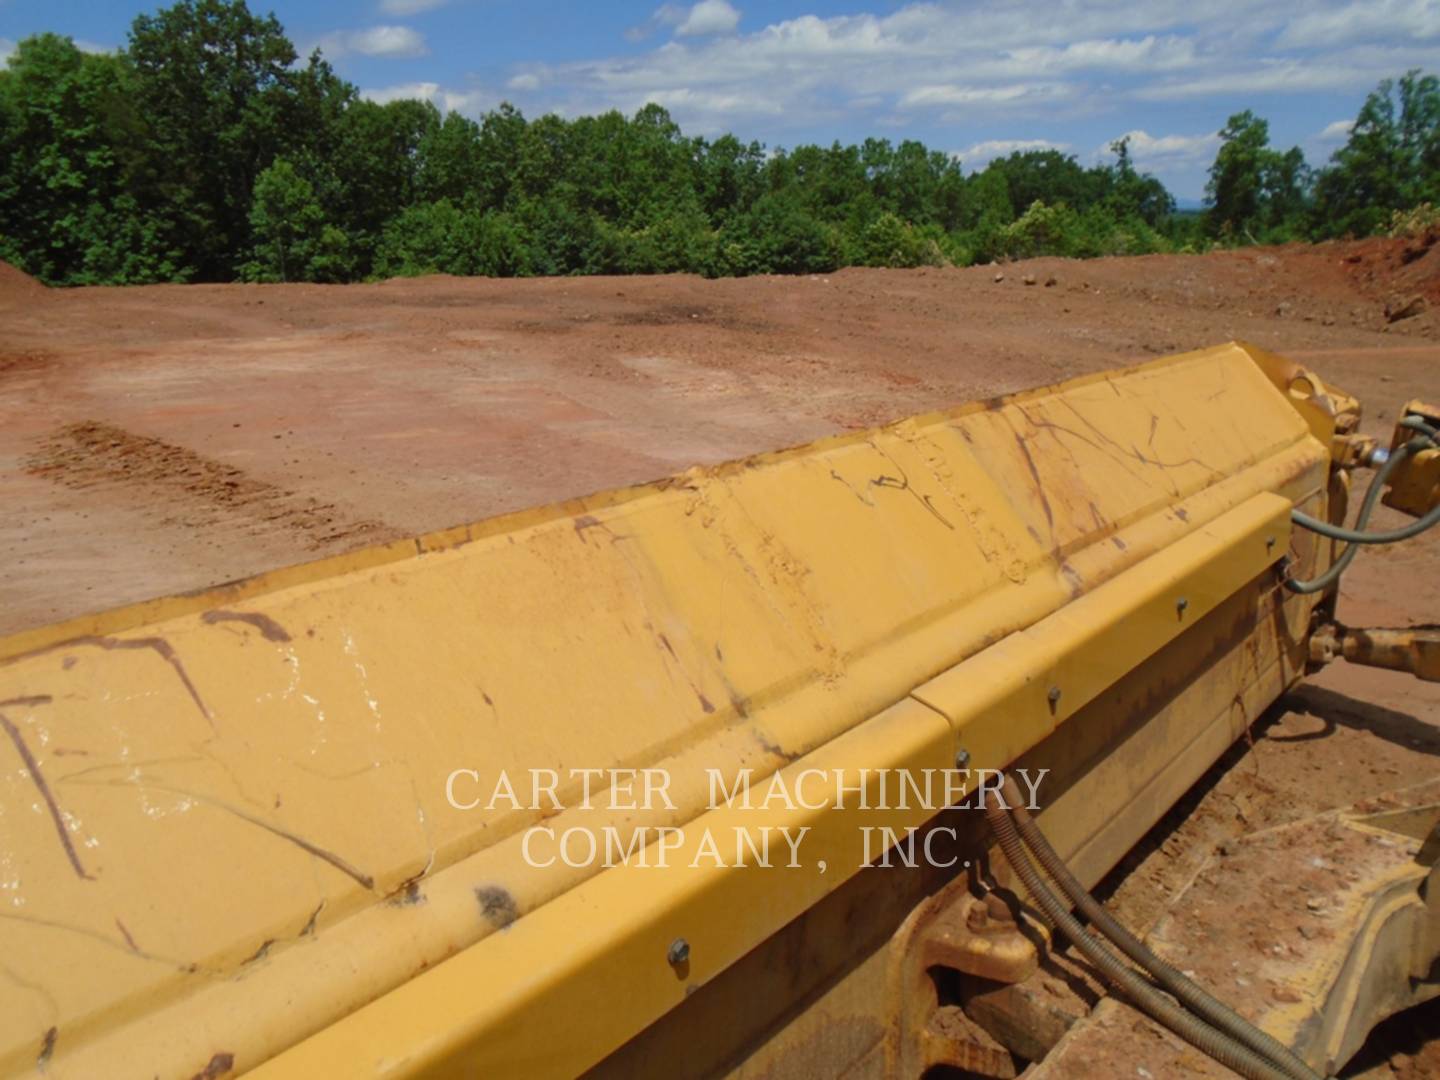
803,765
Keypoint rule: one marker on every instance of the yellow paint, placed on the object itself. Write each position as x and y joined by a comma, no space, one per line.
1006,699
251,780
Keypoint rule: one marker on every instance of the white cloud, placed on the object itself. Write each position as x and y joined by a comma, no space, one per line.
979,95
957,71
472,102
704,19
447,100
404,8
685,99
1365,21
709,17
388,42
1161,151
1357,68
1336,131
420,91
1024,57
1145,54
982,153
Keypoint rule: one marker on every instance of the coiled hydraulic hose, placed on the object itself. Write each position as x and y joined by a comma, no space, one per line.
1426,437
1233,1055
1208,1008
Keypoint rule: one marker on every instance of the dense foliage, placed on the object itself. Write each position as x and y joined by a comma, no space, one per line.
208,151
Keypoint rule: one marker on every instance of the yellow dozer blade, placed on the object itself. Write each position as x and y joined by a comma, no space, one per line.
258,827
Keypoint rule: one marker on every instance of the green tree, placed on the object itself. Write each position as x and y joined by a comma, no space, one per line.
441,238
1391,160
1042,230
728,180
1132,194
377,165
888,241
778,236
1046,176
72,169
208,150
216,86
501,133
293,242
987,211
1254,192
450,158
1236,184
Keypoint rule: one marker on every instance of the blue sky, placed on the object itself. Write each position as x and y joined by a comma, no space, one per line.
971,78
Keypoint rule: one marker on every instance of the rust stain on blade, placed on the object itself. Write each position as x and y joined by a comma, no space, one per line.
269,629
38,779
1039,485
305,845
27,701
159,645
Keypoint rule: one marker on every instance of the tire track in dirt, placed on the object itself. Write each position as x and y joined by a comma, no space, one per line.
187,488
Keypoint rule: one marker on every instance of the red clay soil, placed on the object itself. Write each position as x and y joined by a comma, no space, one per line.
164,438
1398,269
16,285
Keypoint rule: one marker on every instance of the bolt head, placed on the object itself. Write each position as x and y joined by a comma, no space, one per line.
1054,695
679,952
1182,604
962,758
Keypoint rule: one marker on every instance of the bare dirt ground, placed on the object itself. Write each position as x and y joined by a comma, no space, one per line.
166,438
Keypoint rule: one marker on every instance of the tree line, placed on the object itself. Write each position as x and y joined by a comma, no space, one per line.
207,150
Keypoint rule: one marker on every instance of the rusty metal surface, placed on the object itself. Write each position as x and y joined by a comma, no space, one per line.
226,812
1315,931
976,935
1414,649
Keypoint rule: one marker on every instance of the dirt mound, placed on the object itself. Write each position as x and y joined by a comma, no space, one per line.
1397,269
15,284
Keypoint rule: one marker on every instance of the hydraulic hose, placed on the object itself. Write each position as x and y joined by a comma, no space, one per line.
1428,436
1372,497
1354,536
1233,1055
1415,423
1196,998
